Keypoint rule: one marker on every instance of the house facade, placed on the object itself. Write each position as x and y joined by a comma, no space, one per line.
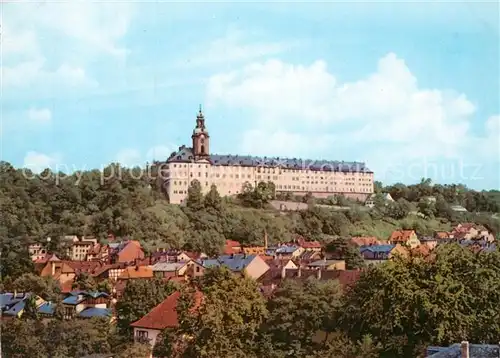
405,237
230,172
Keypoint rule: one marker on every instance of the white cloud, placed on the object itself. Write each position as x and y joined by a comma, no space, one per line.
234,46
77,32
40,115
385,118
37,162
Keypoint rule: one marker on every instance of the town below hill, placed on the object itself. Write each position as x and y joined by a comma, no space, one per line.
112,268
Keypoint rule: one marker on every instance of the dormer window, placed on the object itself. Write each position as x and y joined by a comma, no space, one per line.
178,157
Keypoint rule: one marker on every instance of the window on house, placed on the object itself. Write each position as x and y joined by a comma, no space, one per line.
142,334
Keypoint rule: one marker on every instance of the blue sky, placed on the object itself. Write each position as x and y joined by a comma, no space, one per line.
412,89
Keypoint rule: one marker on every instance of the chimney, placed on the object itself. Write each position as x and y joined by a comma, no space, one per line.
299,272
318,275
283,272
53,267
464,349
265,239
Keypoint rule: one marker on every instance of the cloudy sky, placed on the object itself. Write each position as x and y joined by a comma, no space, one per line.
412,89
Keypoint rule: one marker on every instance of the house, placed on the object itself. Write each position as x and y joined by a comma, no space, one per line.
429,241
251,265
161,317
370,202
465,350
169,270
37,251
458,208
83,304
287,251
98,252
254,250
376,254
59,270
404,237
109,271
12,304
133,272
365,240
232,247
327,265
442,235
79,248
471,231
308,245
309,256
125,251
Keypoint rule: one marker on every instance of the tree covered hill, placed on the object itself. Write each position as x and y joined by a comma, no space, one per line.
129,203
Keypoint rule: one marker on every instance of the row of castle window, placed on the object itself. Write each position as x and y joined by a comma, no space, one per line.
265,170
348,181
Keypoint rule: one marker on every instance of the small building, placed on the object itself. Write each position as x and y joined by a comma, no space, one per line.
251,265
125,251
12,304
404,237
287,251
83,304
465,350
232,247
370,202
133,272
375,254
365,240
170,270
327,265
429,241
161,317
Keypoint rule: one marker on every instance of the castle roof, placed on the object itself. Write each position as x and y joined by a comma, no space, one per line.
185,155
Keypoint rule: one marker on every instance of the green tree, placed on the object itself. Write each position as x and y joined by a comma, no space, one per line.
194,199
21,338
213,199
410,303
45,287
135,350
342,248
227,321
84,282
30,311
139,297
299,313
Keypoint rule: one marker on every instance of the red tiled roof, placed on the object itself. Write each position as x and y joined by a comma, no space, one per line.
442,235
136,272
232,243
164,315
401,235
365,240
308,244
131,252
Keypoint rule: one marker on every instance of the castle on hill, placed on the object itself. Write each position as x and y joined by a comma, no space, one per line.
229,173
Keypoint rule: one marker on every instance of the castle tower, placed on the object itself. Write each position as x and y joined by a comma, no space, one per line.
201,139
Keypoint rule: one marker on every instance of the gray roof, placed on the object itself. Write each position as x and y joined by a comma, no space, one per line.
233,262
167,266
475,351
185,154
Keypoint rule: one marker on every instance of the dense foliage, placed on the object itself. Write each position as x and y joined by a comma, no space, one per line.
396,309
131,203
